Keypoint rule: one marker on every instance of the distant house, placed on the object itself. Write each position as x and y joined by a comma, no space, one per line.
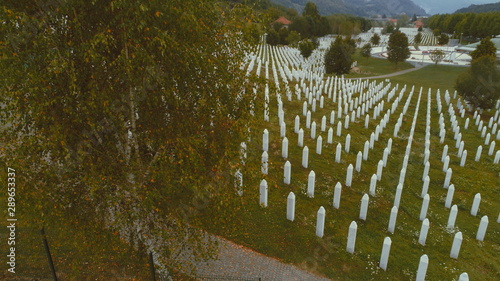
418,24
283,21
394,21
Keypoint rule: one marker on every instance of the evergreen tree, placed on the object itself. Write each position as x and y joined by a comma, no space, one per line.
338,57
397,48
375,40
366,50
485,48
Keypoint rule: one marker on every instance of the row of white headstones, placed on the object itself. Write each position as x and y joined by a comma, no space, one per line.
346,95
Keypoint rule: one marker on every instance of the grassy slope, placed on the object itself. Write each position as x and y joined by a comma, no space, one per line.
267,230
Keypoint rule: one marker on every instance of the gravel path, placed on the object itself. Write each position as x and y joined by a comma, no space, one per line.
238,261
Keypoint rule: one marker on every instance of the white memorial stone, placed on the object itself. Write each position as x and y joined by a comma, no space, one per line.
452,217
380,167
422,268
425,207
463,277
305,157
330,136
301,138
373,184
311,179
265,161
348,181
424,230
365,150
320,222
265,140
359,159
475,204
447,178
481,231
384,257
290,206
449,196
392,219
263,193
336,195
351,238
478,153
455,247
425,186
397,197
347,143
364,207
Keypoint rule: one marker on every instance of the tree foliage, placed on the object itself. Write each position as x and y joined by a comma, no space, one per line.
127,114
480,86
306,48
338,57
485,48
437,56
366,50
477,25
375,40
397,48
443,39
417,39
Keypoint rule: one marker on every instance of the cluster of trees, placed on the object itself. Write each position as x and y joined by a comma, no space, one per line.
467,24
311,24
480,85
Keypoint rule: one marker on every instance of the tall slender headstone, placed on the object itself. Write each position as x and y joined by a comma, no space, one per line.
319,145
449,196
339,129
265,140
425,207
478,153
475,204
305,157
347,143
397,197
287,172
445,153
481,231
263,193
311,179
313,130
492,148
447,178
301,137
425,186
380,166
426,170
359,159
422,268
265,160
320,222
365,150
364,207
424,229
336,195
338,153
452,217
330,136
392,219
385,156
284,148
348,180
455,247
386,249
290,206
373,184
351,237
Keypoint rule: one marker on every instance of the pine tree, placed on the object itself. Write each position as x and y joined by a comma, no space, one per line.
397,48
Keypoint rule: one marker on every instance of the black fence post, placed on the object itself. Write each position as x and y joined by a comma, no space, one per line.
152,266
49,257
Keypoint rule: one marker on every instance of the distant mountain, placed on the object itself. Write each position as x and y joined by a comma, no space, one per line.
364,8
494,7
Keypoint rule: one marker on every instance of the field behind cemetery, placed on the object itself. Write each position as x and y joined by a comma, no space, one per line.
267,230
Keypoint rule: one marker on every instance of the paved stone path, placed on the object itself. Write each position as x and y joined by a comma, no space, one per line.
238,261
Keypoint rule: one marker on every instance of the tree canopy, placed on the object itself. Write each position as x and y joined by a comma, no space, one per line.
397,48
338,57
485,48
127,113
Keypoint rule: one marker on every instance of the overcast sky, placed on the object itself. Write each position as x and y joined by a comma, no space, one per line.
448,6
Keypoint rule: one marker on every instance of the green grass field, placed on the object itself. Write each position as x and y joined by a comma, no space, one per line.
268,231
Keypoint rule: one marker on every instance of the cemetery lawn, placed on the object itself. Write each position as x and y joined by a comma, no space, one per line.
267,230
375,66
